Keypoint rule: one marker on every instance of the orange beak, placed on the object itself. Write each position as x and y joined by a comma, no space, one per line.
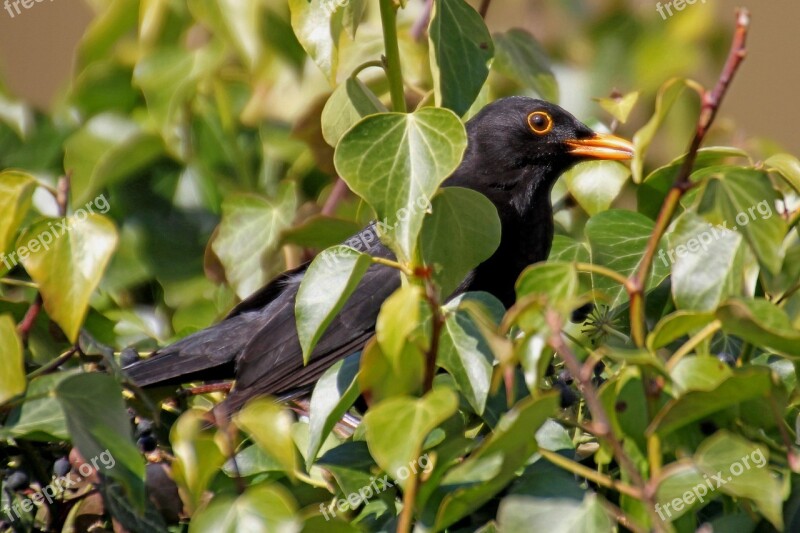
602,146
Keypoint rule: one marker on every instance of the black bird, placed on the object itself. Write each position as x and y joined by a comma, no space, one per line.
517,148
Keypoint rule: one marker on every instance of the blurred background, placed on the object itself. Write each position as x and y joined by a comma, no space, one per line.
37,49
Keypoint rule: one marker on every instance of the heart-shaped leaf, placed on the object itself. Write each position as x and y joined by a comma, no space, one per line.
349,103
67,258
595,184
396,162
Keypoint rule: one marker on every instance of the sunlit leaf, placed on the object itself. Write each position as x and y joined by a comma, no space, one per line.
595,184
787,166
16,191
12,369
619,107
270,426
349,103
262,508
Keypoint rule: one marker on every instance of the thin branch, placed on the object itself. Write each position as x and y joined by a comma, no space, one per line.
601,425
484,7
590,474
711,104
55,364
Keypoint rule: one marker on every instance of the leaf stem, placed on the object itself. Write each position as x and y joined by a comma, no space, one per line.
393,264
690,345
602,271
711,103
592,475
392,59
18,283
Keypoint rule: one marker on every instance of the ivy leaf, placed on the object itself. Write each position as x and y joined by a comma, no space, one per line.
787,166
463,350
318,25
618,239
12,363
349,103
676,325
667,95
267,508
16,192
708,265
197,456
103,433
270,426
338,269
743,200
520,57
462,231
333,394
595,184
396,162
66,258
760,322
249,235
461,51
107,149
396,429
620,108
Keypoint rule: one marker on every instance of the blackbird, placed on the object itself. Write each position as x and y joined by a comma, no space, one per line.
517,148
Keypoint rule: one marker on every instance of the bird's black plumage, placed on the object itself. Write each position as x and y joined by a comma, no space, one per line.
517,148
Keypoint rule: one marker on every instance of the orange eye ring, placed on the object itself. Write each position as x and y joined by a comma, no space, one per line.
540,122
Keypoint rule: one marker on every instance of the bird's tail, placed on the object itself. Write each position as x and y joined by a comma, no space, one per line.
209,354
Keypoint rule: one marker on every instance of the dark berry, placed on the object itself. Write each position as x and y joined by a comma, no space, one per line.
17,480
580,314
568,396
727,358
147,443
564,377
61,467
128,356
144,427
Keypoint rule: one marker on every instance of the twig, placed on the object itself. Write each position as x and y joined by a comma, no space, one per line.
590,474
601,425
206,389
421,24
55,364
711,103
484,8
338,192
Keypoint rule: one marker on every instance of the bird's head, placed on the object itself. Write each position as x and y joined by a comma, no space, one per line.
519,145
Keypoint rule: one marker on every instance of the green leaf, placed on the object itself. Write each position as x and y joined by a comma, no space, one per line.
568,250
787,166
107,149
742,386
349,103
117,19
270,426
463,350
197,456
555,281
249,235
744,200
66,258
667,95
699,373
553,514
262,508
708,266
462,231
461,51
398,320
620,107
396,162
745,472
12,361
318,25
333,395
40,417
237,20
520,57
16,192
488,470
385,376
676,325
103,435
396,429
338,270
595,184
761,323
320,231
618,240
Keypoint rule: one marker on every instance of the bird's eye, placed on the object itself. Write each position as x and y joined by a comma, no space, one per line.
540,122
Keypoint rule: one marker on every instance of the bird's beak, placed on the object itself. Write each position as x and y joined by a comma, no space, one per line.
601,146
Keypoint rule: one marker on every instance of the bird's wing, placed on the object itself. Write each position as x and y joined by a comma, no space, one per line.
272,361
